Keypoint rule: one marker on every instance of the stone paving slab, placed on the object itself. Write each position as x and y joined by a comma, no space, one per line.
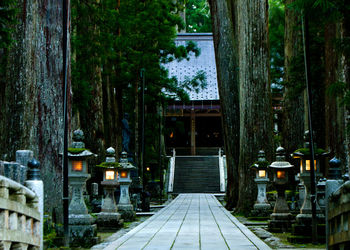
191,221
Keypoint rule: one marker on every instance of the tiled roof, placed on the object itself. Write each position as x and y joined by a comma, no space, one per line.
205,62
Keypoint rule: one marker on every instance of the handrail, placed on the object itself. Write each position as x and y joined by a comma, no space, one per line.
17,186
172,172
222,171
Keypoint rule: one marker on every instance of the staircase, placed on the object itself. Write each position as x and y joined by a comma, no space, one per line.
197,174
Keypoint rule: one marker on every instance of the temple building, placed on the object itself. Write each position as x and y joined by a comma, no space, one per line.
195,128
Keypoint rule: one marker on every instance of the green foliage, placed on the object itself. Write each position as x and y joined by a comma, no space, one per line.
276,39
198,19
296,70
336,89
306,151
108,165
8,13
260,164
112,42
277,139
50,233
76,150
118,41
7,19
327,9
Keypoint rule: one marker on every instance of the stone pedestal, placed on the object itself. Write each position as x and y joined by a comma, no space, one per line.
83,231
81,223
305,215
281,218
109,218
302,229
261,207
125,207
261,201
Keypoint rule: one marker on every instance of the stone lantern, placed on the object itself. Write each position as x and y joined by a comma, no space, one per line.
80,221
261,205
281,216
109,218
124,206
305,215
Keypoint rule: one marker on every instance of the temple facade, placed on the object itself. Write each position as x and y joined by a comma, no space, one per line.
195,128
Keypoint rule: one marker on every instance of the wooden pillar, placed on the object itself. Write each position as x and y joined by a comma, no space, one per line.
193,133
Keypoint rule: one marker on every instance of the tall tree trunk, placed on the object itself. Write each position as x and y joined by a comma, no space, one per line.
137,145
225,43
92,122
344,76
33,102
112,113
255,96
334,111
317,79
92,119
293,99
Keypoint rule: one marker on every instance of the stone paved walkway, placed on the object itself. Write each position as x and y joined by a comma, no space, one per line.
191,221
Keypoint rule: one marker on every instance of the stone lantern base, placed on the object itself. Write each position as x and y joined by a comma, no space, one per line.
261,210
302,229
280,222
81,230
109,221
127,212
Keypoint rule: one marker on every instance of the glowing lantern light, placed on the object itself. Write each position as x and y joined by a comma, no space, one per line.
77,166
110,175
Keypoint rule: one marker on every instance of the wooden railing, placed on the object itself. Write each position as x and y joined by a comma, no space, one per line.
19,216
339,218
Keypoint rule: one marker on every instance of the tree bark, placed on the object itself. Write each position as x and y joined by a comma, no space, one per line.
91,118
293,99
344,76
112,113
241,42
33,100
223,14
255,95
334,111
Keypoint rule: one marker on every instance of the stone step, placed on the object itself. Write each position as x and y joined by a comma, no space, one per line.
197,174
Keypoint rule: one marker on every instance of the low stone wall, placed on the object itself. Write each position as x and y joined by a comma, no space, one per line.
19,216
339,218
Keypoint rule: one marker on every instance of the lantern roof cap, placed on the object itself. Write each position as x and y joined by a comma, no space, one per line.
124,163
261,163
110,151
334,162
280,162
84,154
110,161
78,150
